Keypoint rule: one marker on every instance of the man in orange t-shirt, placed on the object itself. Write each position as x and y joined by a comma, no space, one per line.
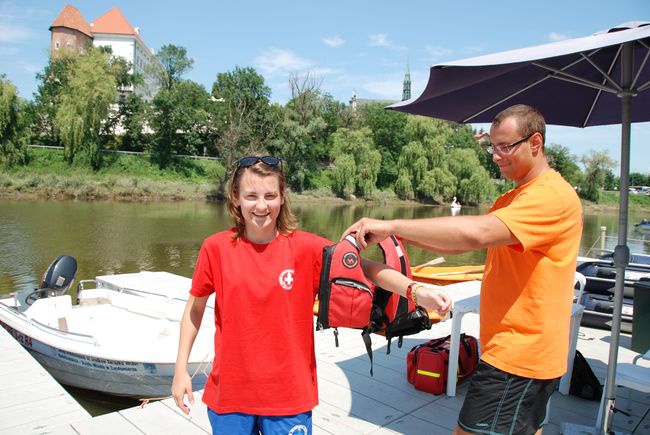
533,235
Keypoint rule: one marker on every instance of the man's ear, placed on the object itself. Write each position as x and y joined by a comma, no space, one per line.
536,142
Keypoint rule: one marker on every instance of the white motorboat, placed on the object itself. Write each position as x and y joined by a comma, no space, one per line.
118,339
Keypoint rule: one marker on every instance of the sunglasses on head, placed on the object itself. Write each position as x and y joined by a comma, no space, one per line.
245,162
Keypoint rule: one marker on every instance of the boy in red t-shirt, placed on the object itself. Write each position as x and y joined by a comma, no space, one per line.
264,273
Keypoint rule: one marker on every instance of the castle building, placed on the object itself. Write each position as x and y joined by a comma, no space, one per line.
70,31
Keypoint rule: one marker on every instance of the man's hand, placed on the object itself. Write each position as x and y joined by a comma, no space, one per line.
369,231
434,299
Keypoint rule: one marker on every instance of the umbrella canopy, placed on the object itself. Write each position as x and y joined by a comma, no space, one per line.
575,82
596,80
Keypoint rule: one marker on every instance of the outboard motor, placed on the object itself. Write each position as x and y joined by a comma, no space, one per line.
57,279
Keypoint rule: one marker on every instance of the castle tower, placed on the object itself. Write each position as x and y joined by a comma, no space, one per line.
406,90
69,31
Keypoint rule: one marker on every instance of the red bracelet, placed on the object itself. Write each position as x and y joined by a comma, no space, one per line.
409,291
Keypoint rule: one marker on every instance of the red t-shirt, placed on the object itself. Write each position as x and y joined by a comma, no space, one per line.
264,360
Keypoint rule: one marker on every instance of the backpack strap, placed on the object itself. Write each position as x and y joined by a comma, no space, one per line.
324,289
365,335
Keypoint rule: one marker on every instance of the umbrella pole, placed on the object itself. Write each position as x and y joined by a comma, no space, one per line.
622,251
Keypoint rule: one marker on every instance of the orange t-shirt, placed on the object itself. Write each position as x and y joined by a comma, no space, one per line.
526,296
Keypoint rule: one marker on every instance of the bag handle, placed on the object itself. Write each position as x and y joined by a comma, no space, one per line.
432,343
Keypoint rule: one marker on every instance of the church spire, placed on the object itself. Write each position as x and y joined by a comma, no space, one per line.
406,90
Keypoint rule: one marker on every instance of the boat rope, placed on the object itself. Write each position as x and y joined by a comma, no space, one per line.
204,364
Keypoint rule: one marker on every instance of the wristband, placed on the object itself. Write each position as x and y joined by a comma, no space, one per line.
415,294
411,292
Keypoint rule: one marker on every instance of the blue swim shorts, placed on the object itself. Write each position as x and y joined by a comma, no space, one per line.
236,423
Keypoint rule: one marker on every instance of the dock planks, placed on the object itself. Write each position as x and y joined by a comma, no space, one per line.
351,401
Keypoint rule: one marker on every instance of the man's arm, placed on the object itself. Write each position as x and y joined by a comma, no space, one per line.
447,235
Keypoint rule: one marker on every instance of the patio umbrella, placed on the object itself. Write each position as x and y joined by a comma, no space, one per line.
596,80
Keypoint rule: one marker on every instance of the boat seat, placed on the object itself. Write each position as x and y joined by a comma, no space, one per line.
49,310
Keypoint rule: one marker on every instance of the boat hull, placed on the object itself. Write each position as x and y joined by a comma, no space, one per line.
117,377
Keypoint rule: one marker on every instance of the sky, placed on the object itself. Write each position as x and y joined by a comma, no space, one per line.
349,46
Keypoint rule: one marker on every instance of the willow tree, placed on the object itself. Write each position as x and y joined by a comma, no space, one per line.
13,139
358,144
596,163
85,105
343,175
412,164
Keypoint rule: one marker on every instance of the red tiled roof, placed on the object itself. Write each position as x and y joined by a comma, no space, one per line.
71,18
113,22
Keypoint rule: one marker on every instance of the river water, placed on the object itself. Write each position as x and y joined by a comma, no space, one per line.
114,237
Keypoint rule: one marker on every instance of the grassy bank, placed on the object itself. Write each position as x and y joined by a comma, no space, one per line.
134,178
122,177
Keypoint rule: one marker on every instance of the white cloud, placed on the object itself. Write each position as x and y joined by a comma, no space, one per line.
14,34
380,40
333,41
278,61
437,51
554,37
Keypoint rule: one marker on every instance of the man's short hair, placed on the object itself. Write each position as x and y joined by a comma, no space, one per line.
529,119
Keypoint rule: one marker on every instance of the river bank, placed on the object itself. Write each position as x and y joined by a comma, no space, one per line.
135,188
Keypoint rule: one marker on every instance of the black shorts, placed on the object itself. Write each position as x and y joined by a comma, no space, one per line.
500,403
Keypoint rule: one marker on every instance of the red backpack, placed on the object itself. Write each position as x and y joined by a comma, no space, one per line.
348,299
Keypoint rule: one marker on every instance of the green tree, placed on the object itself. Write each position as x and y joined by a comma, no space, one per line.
47,99
367,160
473,183
344,175
172,65
596,164
13,137
180,121
437,184
85,104
477,188
302,136
246,121
432,134
560,159
133,115
462,136
388,133
612,182
638,179
404,186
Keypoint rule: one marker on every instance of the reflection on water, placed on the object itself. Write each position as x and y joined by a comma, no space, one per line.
112,237
99,404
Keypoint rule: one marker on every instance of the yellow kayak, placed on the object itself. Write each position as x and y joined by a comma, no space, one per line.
447,275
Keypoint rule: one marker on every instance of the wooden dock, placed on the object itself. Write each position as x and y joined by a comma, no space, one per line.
351,401
30,399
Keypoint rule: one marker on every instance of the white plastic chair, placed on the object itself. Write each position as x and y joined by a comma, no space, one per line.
576,318
581,280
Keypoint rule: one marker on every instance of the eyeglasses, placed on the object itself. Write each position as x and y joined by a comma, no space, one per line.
245,162
505,149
